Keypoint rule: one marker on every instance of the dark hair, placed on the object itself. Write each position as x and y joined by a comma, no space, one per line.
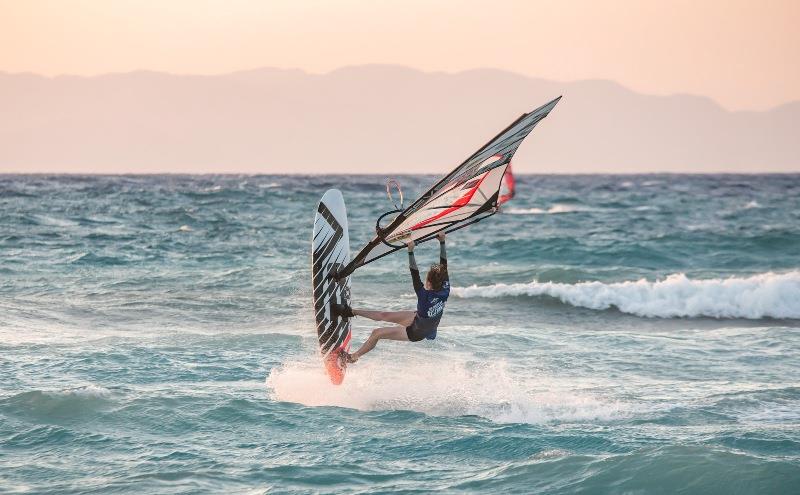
437,275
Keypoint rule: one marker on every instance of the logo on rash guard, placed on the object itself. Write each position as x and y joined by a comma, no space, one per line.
436,309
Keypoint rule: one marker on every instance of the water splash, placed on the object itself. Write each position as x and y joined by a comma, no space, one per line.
450,387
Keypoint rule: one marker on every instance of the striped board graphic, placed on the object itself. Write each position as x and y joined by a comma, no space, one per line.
330,251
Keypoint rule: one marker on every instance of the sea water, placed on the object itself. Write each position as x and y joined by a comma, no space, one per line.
605,334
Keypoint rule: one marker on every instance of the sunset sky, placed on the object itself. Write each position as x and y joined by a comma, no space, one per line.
743,54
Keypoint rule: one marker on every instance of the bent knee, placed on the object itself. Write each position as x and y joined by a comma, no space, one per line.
381,333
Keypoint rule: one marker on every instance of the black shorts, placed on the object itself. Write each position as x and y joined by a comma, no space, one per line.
418,330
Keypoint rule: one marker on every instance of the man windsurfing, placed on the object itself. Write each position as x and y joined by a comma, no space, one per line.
411,326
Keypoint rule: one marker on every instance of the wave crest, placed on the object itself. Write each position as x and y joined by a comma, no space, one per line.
56,405
767,295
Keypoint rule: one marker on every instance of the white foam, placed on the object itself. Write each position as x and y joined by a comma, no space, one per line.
555,209
450,386
523,211
90,391
551,454
767,295
759,413
33,333
55,222
752,204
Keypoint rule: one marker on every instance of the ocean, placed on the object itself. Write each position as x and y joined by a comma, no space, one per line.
605,334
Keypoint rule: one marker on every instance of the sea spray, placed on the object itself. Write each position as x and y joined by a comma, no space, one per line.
456,388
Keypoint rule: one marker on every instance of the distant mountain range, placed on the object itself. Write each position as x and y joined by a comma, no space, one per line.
374,119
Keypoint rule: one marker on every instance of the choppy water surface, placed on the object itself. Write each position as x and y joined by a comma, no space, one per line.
619,334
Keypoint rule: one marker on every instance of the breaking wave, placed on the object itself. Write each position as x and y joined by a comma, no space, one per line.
767,295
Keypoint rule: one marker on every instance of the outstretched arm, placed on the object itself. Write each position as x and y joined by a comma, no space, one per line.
442,252
443,256
412,265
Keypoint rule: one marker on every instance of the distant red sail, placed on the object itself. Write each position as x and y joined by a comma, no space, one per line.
507,187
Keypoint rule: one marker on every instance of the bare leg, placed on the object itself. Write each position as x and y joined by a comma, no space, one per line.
404,318
391,333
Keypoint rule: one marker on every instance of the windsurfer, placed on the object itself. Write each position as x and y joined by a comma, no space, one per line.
411,325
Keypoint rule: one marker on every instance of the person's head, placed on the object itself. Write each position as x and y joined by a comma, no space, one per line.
436,276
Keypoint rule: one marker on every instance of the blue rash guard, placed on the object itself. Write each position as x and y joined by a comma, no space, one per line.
430,303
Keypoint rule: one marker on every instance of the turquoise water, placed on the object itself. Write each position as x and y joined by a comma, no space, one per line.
606,334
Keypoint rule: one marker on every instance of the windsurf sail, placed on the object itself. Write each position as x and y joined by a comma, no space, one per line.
466,195
507,187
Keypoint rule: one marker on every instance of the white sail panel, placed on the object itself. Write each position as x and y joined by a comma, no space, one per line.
466,195
449,209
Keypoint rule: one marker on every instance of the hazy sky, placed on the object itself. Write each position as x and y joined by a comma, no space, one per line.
743,54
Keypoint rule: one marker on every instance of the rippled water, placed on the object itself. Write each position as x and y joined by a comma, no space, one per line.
617,334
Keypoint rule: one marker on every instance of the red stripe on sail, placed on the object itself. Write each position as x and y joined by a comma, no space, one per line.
463,200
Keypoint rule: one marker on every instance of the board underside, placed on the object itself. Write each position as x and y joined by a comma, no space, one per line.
330,251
